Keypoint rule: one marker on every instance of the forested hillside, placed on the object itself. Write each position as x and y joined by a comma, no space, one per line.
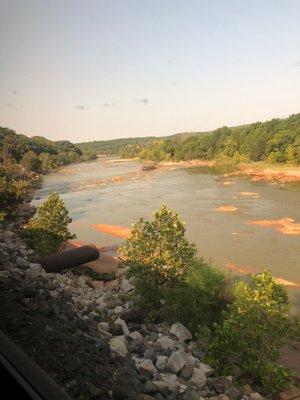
274,141
114,146
21,157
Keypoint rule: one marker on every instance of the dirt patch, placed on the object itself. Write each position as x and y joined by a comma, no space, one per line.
286,226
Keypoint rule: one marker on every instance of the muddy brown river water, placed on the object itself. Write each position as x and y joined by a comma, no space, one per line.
219,212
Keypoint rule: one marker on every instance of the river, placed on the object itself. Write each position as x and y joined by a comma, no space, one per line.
114,192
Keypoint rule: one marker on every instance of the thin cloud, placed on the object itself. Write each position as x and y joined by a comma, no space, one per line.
143,100
297,63
12,106
80,107
108,104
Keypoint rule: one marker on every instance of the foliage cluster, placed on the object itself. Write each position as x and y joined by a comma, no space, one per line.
49,228
254,329
13,186
242,327
22,157
114,146
158,255
199,299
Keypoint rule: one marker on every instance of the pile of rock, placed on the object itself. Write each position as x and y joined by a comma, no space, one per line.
99,331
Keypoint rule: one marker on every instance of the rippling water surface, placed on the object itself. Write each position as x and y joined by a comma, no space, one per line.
107,191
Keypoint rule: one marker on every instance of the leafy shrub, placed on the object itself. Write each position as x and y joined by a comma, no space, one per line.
198,300
255,327
31,161
13,186
49,228
158,255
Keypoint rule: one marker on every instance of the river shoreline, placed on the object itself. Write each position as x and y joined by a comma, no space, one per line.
256,171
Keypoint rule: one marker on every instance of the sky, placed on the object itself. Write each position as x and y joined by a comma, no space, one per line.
103,69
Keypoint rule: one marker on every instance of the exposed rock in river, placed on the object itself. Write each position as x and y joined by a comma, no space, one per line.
227,209
286,225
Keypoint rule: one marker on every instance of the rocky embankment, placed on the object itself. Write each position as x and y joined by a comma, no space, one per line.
86,335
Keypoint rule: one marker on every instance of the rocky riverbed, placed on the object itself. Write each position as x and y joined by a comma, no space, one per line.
85,333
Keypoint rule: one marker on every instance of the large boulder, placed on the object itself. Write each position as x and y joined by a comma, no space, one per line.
121,323
198,378
146,367
176,361
166,343
181,332
135,335
118,346
161,362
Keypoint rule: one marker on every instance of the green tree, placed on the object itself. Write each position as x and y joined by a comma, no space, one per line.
158,255
49,228
13,186
291,155
47,162
255,327
31,161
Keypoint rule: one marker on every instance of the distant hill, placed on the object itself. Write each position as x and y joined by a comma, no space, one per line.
37,153
275,141
113,146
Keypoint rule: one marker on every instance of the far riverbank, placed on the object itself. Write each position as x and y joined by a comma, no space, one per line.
256,171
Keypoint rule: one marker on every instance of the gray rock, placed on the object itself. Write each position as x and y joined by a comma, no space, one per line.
126,286
153,336
187,371
171,381
149,388
146,367
166,343
35,270
207,369
176,362
161,362
124,326
136,347
107,300
181,332
150,354
103,332
119,310
223,397
198,378
160,385
118,346
255,396
135,335
21,262
104,326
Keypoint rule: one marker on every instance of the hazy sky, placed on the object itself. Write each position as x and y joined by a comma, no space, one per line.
82,70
